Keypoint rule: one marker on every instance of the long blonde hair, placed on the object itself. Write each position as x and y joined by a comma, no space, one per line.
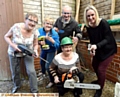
96,14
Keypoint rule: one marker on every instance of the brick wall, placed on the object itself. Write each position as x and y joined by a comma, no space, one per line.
114,66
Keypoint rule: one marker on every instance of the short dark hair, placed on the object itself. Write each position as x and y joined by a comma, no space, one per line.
31,14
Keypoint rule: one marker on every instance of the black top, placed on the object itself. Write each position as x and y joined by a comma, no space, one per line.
102,36
68,29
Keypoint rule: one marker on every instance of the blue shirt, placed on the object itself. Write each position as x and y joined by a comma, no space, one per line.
54,35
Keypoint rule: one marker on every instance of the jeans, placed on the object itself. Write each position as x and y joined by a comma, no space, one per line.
45,66
15,70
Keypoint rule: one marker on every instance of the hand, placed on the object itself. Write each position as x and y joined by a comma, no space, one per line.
56,79
75,40
49,38
92,52
16,48
72,68
36,55
41,42
56,29
92,49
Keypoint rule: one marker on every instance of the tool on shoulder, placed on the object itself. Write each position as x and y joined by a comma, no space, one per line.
28,51
73,81
44,47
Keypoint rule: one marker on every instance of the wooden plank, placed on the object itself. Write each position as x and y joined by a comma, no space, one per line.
4,64
115,28
60,7
21,15
112,9
7,19
9,12
77,9
42,11
91,2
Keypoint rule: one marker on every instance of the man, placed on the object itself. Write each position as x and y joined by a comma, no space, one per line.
66,26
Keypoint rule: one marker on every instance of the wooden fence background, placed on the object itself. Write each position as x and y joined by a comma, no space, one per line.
11,11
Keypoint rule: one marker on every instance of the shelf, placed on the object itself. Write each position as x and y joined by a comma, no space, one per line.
115,28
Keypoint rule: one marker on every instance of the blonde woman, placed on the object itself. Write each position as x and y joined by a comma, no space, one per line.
103,45
51,39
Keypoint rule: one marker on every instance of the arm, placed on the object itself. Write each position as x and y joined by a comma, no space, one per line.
35,43
53,69
8,37
78,32
54,39
107,33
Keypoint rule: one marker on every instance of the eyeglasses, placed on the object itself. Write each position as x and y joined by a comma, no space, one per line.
33,21
66,13
49,23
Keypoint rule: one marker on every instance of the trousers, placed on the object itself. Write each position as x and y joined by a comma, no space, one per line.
15,71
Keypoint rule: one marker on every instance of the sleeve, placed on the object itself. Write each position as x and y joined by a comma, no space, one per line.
56,39
53,68
36,33
106,34
13,28
78,62
78,31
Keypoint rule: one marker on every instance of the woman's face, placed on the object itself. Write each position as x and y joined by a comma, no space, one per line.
48,26
31,22
67,49
91,18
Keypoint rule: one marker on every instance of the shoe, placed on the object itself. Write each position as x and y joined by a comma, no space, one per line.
34,92
49,85
98,93
14,89
94,82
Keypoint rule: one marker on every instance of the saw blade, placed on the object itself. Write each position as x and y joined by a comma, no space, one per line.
86,86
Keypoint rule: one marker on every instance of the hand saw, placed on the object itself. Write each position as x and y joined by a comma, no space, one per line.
70,83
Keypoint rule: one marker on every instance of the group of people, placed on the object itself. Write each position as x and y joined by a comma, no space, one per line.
60,38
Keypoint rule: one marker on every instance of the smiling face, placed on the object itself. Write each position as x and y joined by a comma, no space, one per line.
91,17
48,24
67,49
66,13
31,22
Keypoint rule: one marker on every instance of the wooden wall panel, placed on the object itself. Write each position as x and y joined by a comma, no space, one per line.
9,14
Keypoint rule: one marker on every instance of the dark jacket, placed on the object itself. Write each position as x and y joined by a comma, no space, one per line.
102,36
68,29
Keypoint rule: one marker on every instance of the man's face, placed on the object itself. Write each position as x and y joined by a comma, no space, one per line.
66,14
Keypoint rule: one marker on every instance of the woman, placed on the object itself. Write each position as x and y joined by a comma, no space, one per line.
103,45
48,38
64,63
25,34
